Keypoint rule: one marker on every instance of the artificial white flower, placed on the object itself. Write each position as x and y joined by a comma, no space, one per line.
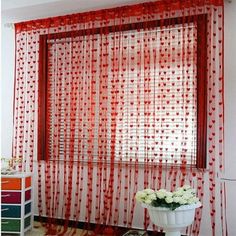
160,194
169,199
190,201
182,201
176,199
196,199
169,194
140,196
148,201
152,196
179,193
187,196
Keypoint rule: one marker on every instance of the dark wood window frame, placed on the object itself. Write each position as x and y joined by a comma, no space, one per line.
201,21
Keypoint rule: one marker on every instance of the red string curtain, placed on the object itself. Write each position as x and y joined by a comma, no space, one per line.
116,100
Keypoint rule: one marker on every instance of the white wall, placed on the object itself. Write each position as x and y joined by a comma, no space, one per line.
7,85
230,111
7,88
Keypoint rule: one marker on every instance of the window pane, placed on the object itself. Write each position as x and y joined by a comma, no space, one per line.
136,89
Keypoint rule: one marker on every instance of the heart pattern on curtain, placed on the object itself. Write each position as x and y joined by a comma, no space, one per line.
115,95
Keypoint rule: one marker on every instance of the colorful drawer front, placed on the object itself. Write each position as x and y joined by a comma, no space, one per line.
11,197
27,221
10,225
28,182
28,195
27,208
11,211
11,183
15,197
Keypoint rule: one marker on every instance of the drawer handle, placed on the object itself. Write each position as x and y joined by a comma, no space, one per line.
6,195
5,209
5,182
5,222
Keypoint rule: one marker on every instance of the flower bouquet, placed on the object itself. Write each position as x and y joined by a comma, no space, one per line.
9,165
162,198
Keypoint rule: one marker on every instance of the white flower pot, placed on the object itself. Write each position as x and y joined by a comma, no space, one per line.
172,221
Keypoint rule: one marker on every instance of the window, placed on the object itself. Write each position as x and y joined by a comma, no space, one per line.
135,111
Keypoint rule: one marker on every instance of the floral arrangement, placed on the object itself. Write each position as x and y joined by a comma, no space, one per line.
162,198
9,165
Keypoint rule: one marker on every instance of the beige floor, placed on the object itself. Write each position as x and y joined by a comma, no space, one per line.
38,230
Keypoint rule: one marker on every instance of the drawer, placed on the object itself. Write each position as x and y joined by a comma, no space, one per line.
14,197
11,211
28,182
27,221
11,197
28,195
10,225
11,183
28,208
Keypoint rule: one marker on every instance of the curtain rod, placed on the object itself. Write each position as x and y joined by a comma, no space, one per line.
11,25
